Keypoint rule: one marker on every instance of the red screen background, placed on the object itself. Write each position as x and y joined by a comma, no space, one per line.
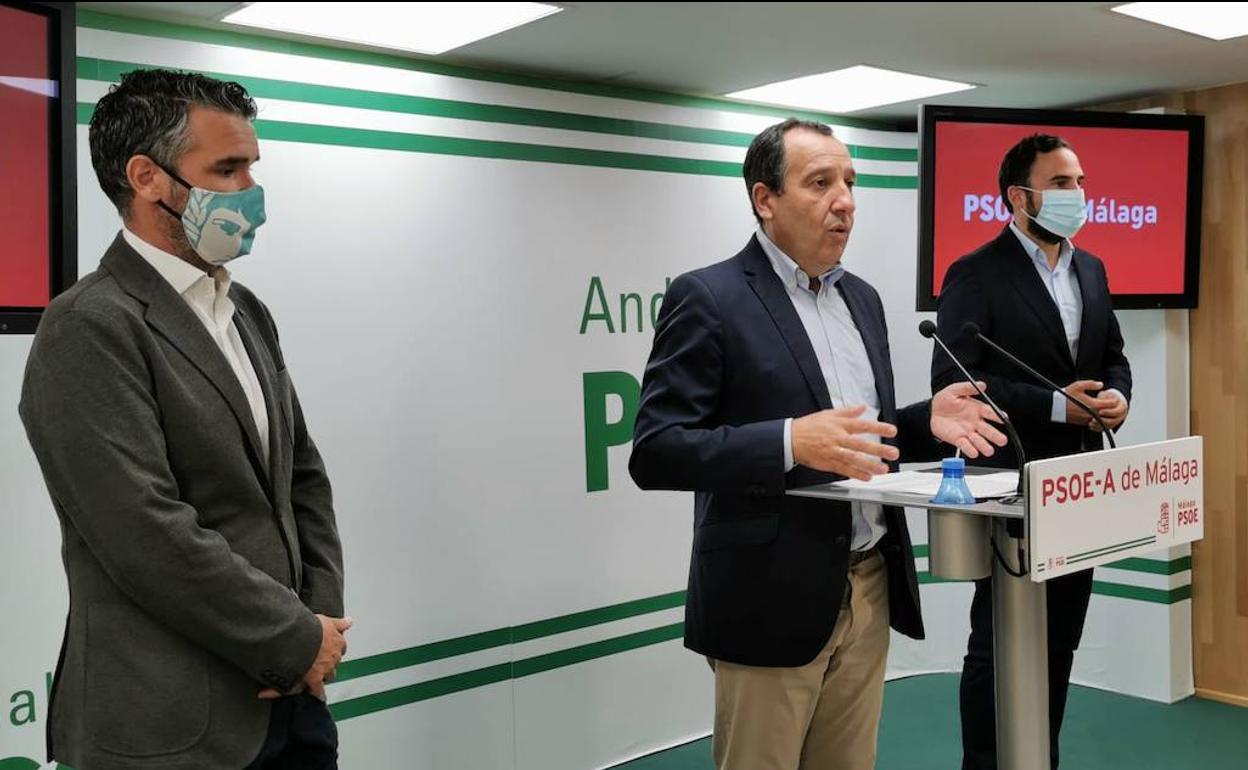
25,163
1126,166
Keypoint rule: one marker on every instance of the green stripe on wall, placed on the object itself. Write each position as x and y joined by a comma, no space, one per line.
449,648
1153,566
402,696
586,652
265,88
543,628
501,637
435,688
151,28
560,659
425,653
1154,595
477,148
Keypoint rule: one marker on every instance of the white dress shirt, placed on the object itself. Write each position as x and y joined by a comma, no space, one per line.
1062,284
208,297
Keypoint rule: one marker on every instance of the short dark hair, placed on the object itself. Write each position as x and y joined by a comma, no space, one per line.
147,114
1017,163
765,161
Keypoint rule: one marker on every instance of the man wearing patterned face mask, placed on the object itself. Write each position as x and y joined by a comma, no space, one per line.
200,540
218,226
1035,292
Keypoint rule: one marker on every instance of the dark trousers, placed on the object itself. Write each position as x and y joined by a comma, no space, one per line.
1067,607
302,736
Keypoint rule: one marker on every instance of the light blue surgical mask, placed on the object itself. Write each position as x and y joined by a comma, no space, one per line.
220,226
1062,212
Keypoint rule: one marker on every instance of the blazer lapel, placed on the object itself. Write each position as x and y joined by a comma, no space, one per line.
266,372
770,291
169,315
1023,277
1092,312
264,359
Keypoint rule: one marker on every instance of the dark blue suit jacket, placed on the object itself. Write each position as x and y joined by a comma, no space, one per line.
998,288
731,360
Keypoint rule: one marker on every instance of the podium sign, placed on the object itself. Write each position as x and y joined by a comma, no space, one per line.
1091,509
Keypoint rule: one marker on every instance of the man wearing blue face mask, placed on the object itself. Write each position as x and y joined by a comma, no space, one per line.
199,535
1047,301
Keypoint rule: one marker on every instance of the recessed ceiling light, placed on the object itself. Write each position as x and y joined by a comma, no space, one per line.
428,28
1216,21
851,89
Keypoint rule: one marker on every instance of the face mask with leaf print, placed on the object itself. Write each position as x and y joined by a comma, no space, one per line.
220,226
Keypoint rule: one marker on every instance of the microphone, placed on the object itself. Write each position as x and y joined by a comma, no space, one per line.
971,328
928,330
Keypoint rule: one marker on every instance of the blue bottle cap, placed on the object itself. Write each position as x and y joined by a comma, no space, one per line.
953,464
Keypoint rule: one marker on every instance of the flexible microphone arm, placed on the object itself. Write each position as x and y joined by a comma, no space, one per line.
928,330
972,329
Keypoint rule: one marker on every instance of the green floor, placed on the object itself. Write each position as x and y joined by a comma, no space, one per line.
1103,730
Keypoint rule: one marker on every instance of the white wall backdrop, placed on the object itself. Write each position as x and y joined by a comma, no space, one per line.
434,243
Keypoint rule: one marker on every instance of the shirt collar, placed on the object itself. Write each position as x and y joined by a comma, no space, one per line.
210,291
1065,253
180,274
788,271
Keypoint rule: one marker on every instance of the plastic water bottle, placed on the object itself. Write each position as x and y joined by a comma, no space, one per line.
953,489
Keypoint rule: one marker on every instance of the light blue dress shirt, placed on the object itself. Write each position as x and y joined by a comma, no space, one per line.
843,360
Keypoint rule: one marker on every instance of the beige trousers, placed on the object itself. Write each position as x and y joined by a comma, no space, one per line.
821,716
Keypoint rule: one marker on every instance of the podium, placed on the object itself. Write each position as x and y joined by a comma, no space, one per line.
1074,513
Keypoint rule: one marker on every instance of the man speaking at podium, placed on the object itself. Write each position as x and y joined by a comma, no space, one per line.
769,371
1045,300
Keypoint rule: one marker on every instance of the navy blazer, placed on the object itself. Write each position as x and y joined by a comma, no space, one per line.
997,287
731,361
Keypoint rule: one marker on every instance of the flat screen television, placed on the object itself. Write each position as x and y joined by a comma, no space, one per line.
1143,189
38,248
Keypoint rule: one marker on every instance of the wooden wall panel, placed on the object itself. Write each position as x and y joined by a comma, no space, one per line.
1219,387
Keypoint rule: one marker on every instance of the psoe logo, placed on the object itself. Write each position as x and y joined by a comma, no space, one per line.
1163,522
1188,513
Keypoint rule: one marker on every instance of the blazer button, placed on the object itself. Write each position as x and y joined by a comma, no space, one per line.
277,680
840,540
757,490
